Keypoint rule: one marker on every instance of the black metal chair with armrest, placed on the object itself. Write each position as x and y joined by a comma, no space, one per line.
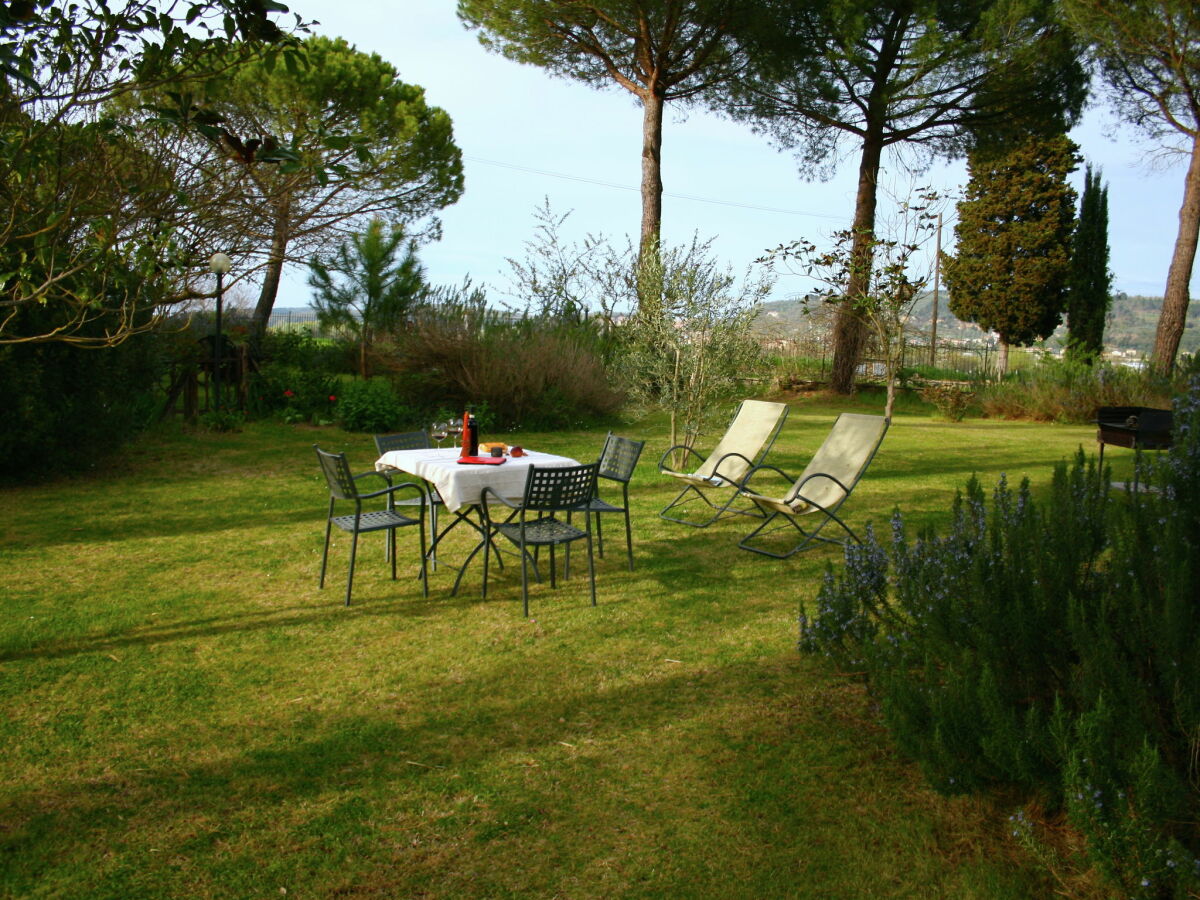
411,440
344,486
567,489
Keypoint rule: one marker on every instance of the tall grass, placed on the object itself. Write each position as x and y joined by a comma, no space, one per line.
536,372
1069,391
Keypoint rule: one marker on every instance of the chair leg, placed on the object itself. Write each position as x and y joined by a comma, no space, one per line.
353,553
433,524
525,576
628,536
723,511
392,550
486,558
325,552
591,567
552,567
599,536
424,560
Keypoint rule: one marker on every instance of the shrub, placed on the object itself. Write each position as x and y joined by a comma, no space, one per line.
296,395
1048,650
371,406
67,406
950,400
1070,391
528,372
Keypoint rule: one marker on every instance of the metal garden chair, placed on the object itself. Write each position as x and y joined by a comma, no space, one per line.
411,440
617,462
343,486
822,488
567,489
744,445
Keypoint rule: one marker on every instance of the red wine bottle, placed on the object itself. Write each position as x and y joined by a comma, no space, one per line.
473,428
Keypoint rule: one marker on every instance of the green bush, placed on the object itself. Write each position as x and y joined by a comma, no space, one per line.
951,400
533,372
299,350
1070,391
372,406
1048,650
66,406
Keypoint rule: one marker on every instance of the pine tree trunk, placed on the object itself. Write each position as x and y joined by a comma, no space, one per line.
652,189
849,331
1176,297
273,271
1002,360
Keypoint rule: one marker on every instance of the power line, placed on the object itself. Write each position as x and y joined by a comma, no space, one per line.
626,187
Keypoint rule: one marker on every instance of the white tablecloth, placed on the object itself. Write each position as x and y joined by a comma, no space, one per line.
461,485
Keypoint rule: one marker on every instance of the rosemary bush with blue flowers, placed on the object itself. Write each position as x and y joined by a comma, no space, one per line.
1050,650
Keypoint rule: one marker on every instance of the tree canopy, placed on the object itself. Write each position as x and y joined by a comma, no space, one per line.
914,73
1011,265
369,284
88,241
310,153
1090,286
658,50
1149,52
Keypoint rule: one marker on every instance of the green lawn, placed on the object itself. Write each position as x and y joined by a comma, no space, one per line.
184,714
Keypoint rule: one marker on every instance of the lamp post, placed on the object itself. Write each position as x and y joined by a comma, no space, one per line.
219,265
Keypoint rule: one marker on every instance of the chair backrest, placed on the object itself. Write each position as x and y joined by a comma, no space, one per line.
845,454
753,430
406,440
560,487
337,473
619,457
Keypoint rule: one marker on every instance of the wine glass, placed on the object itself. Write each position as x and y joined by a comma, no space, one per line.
439,431
455,427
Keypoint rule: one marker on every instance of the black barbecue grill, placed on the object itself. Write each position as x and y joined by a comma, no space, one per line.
1136,427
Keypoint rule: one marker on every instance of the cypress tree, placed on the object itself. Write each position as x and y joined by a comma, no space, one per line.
1009,274
1090,288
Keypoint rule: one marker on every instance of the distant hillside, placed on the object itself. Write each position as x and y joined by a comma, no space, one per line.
1131,322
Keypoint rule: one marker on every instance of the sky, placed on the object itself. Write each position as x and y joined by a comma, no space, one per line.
528,138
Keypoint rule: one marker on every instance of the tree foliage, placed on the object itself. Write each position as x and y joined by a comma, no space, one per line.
691,348
1149,52
1009,273
369,285
904,73
658,50
890,286
90,226
1090,283
358,143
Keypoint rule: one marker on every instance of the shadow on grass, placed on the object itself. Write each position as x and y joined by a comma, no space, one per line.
789,784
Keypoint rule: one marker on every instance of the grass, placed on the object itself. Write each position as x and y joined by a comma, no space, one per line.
185,714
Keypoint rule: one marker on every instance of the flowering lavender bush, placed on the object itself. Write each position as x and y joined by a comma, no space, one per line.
1050,648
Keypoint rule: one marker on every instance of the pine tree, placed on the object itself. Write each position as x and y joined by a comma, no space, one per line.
369,285
1090,286
1014,229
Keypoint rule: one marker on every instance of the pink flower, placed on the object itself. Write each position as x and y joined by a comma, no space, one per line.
332,398
288,394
